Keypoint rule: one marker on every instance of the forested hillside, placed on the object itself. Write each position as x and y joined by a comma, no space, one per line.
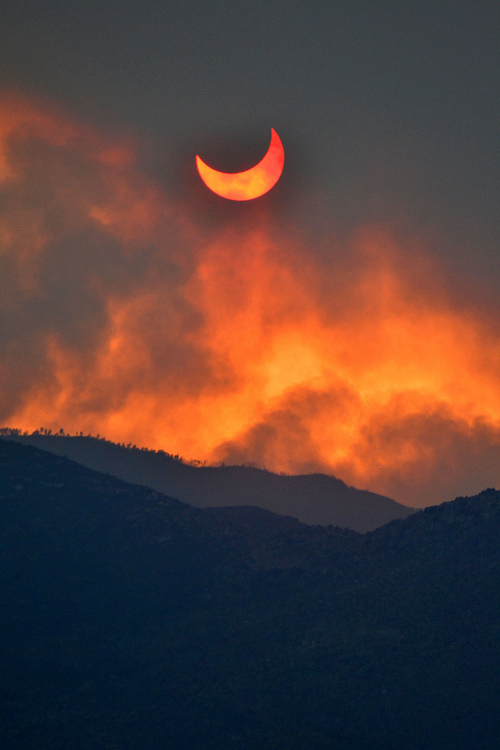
130,619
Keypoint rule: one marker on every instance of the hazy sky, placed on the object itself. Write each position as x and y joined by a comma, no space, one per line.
347,322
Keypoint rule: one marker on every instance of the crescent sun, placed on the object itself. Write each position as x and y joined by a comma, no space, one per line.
254,182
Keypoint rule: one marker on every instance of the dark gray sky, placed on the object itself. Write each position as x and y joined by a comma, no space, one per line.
346,322
391,107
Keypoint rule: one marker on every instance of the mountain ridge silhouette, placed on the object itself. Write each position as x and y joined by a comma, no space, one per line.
311,498
131,619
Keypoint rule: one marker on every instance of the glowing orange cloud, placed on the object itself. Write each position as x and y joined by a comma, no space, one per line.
254,182
122,316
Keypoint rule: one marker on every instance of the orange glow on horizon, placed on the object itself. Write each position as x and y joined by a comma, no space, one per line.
130,321
250,184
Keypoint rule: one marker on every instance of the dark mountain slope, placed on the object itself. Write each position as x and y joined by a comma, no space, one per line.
132,620
313,499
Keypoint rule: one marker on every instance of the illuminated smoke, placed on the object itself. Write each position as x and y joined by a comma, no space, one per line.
122,315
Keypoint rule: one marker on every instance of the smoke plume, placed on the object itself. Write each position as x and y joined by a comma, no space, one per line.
126,313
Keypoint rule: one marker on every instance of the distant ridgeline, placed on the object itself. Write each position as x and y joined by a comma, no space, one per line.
132,620
311,498
14,432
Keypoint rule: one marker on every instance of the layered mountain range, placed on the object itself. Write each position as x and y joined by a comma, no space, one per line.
131,619
312,498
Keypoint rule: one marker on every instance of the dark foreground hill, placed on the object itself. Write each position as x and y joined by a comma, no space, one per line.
131,620
313,498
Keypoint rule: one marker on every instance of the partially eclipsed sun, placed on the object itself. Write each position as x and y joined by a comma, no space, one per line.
254,182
